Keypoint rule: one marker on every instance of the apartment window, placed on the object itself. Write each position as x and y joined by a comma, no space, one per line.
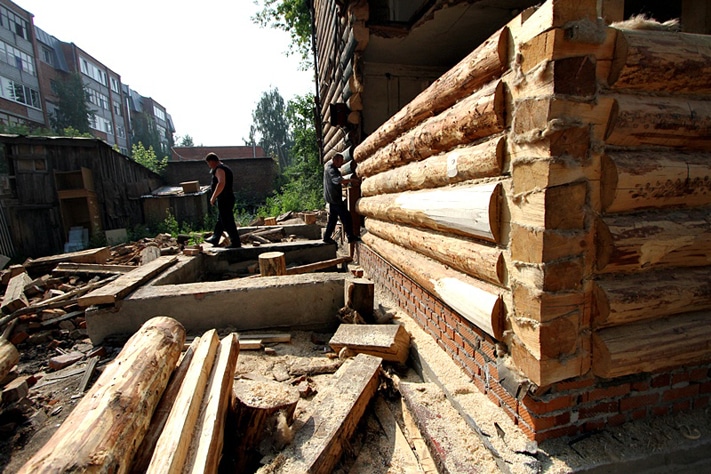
48,56
159,113
101,124
94,72
16,58
17,92
114,84
98,99
121,132
117,108
14,23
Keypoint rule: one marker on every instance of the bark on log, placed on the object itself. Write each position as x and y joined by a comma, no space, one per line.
143,456
462,164
272,263
208,437
9,357
651,295
470,257
476,301
471,211
359,294
104,430
481,66
654,61
644,179
652,345
631,243
475,117
172,447
645,121
126,283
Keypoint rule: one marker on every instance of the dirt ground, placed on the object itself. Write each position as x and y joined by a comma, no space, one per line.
451,406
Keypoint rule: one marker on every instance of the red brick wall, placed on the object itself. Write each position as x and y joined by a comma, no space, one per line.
565,408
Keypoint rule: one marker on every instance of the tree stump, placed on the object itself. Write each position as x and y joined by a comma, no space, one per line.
360,295
257,404
272,263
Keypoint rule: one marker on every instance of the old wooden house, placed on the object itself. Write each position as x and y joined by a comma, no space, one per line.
50,186
535,191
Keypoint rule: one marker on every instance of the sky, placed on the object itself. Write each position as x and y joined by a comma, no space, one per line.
205,61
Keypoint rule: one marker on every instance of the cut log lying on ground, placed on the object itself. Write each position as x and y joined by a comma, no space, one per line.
145,451
318,445
257,404
40,266
388,341
126,283
14,297
275,234
9,357
172,447
208,437
104,429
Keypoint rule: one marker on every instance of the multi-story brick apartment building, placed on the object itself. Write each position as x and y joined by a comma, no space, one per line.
33,61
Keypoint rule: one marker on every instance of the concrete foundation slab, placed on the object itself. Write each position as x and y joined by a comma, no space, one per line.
222,260
303,302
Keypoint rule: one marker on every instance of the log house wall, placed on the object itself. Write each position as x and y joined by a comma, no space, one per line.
543,206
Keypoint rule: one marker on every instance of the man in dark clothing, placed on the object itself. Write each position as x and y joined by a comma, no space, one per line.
223,195
333,194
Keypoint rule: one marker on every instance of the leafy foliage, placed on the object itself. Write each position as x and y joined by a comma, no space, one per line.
72,107
270,129
186,140
294,17
303,186
147,158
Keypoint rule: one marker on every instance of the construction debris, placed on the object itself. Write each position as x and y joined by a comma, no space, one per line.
391,342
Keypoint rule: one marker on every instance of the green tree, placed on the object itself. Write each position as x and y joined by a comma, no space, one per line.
148,158
303,187
270,129
145,131
294,17
72,107
186,140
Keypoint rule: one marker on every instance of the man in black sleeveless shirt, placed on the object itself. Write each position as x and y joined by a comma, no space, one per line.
223,195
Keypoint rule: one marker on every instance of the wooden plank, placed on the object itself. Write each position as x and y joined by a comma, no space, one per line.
174,442
250,344
401,455
106,426
42,265
208,436
471,211
476,301
71,268
268,338
312,267
652,345
635,180
651,295
660,239
318,445
654,61
461,164
481,66
390,342
475,117
14,297
468,256
126,283
143,455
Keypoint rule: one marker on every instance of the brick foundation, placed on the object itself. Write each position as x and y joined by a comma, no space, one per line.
566,408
